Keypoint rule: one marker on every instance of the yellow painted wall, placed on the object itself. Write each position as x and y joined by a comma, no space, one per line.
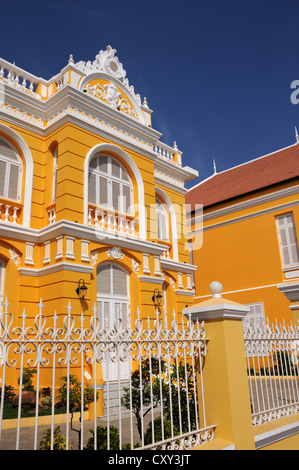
244,255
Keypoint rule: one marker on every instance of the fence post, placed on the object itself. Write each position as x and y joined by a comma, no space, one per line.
225,380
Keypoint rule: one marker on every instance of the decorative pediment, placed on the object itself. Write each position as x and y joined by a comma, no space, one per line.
110,93
106,62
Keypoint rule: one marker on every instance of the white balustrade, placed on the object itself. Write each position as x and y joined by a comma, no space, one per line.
168,153
8,213
52,216
18,78
111,222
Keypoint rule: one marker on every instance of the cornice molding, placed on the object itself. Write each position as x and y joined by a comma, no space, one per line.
80,231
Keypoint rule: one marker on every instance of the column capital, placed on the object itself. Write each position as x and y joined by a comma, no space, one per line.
216,307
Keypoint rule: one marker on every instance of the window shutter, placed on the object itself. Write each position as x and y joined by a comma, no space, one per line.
115,168
103,164
7,152
119,281
13,182
104,280
92,189
2,177
103,192
126,199
288,240
115,196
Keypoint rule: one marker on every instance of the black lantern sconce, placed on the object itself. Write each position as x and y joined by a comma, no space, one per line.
81,289
157,297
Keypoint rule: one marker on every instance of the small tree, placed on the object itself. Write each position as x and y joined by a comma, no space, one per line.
178,400
145,390
74,393
59,441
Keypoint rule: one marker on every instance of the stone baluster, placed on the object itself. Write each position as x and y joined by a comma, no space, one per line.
6,214
102,224
96,218
15,215
89,216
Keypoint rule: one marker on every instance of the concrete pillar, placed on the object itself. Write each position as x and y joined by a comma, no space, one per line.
226,388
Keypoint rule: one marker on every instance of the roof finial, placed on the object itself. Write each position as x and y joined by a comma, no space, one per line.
214,165
297,136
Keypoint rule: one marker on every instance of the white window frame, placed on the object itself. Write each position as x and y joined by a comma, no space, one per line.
288,227
109,306
162,221
255,315
110,178
9,163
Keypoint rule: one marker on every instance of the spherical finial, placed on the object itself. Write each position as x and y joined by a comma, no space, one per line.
216,289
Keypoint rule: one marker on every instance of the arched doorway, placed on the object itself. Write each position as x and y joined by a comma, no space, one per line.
113,304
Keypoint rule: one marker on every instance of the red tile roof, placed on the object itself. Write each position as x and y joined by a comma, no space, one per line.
246,178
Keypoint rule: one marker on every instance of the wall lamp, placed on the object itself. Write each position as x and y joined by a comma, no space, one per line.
81,289
157,297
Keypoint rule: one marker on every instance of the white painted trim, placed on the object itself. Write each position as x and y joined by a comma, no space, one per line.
117,150
220,311
151,279
275,435
281,207
66,227
28,172
121,86
251,203
173,220
177,266
189,293
78,268
290,290
237,291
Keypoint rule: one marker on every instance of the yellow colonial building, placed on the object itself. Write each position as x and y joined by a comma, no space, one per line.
91,201
245,223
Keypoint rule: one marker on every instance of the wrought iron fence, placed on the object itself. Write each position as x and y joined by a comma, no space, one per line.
273,368
142,385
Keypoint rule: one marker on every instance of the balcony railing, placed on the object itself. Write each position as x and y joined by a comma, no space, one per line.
112,222
10,213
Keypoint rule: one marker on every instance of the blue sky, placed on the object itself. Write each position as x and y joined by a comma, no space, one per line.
216,73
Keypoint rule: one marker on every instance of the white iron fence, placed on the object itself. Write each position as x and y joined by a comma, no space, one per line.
273,369
156,402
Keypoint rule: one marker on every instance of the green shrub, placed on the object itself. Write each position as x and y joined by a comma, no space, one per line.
59,441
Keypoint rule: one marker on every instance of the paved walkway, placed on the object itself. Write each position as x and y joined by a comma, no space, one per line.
26,438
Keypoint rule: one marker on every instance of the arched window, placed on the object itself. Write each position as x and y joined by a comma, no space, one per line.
55,168
162,221
109,185
10,171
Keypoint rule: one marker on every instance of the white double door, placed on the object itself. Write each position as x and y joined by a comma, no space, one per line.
113,305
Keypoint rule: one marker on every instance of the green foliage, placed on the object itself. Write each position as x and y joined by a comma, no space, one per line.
59,441
9,395
182,398
101,438
148,388
74,393
27,385
158,435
